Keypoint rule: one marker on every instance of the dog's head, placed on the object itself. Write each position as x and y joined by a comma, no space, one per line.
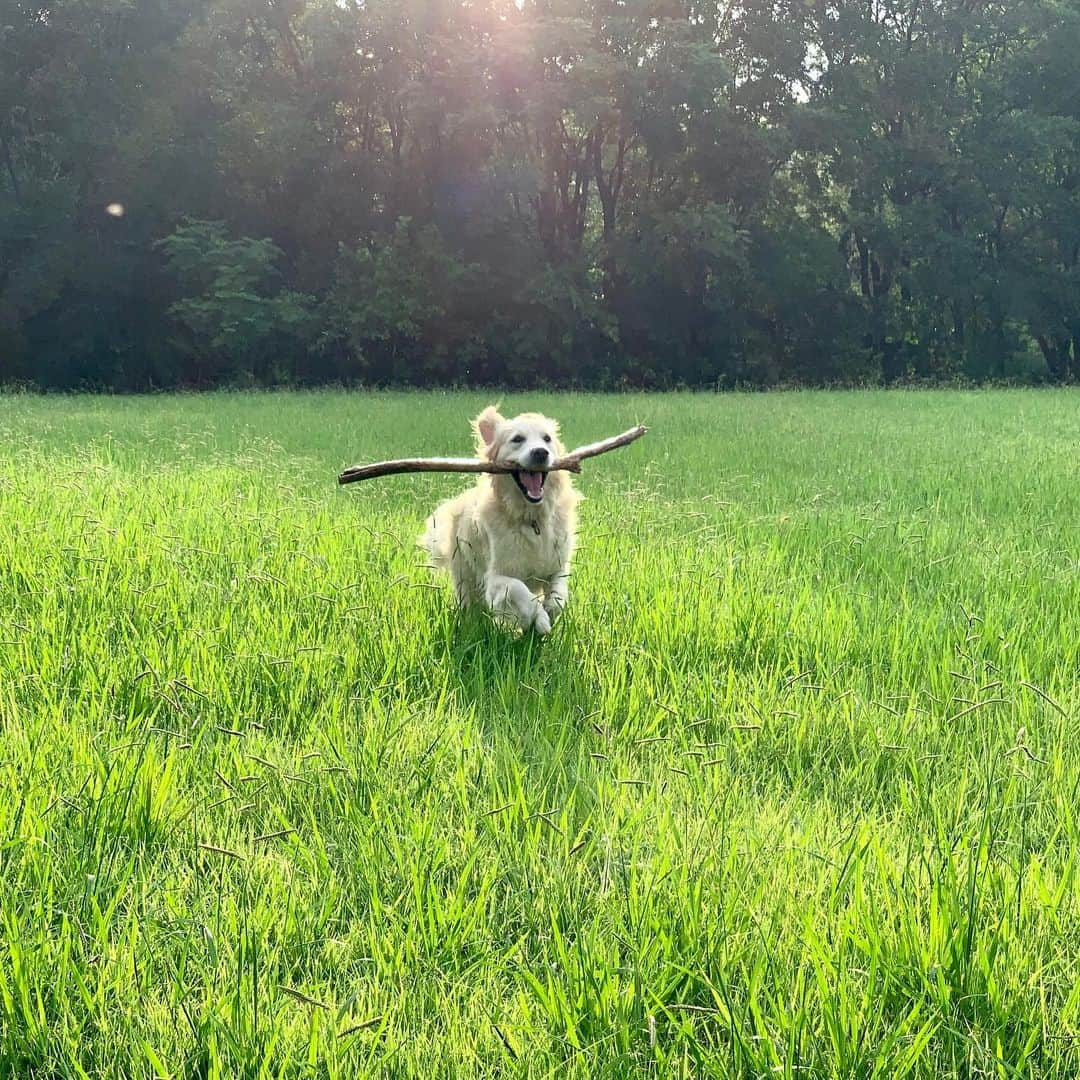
529,442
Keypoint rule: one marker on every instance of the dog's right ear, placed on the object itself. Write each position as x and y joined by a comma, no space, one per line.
484,426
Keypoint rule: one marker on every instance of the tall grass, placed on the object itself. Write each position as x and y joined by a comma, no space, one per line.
791,791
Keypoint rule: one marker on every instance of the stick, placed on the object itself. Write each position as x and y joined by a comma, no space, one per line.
570,463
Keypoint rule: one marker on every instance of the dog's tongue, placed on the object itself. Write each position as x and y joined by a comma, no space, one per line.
533,482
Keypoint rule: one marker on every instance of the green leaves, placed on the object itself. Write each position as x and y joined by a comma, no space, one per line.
501,179
233,307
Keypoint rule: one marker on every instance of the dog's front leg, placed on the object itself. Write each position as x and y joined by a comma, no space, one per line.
557,594
511,598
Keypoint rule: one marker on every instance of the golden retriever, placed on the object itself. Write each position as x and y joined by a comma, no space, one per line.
507,542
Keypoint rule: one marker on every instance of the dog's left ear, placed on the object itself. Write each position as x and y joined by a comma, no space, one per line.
485,424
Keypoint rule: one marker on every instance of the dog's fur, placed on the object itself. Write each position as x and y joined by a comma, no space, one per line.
500,548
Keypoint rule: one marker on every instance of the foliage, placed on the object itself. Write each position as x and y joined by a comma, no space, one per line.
232,311
643,192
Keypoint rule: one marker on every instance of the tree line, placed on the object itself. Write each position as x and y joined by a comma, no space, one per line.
546,192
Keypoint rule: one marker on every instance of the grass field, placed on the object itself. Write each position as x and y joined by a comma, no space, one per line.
791,791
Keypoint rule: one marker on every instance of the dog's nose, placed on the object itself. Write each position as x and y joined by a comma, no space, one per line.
539,456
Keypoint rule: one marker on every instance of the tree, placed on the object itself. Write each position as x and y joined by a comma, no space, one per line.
610,192
237,318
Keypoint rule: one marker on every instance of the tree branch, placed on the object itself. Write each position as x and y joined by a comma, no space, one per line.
570,463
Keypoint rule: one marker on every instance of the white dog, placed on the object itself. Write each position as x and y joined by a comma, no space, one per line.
507,542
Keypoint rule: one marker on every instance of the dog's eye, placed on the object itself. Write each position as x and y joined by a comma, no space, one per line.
547,438
518,439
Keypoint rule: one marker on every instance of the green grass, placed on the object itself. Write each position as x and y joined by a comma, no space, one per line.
791,791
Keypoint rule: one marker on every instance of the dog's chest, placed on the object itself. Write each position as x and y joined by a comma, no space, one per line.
528,552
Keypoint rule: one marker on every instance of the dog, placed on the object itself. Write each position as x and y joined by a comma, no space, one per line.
507,542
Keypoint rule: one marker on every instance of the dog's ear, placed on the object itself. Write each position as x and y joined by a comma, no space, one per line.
484,426
556,431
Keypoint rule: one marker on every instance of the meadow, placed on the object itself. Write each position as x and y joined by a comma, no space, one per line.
791,791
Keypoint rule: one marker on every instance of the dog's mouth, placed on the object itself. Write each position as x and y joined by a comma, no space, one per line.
531,484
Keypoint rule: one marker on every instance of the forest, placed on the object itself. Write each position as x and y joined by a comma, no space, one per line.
590,193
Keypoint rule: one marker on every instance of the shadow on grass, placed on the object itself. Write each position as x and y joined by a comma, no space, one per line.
530,695
507,674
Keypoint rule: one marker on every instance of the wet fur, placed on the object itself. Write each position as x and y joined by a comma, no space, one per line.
501,551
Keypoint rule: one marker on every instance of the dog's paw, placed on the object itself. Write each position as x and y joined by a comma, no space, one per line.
554,606
541,621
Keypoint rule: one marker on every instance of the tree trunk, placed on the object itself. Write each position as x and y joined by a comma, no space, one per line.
608,187
1056,353
10,165
864,267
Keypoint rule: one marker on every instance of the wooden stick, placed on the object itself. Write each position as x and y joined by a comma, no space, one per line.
570,463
